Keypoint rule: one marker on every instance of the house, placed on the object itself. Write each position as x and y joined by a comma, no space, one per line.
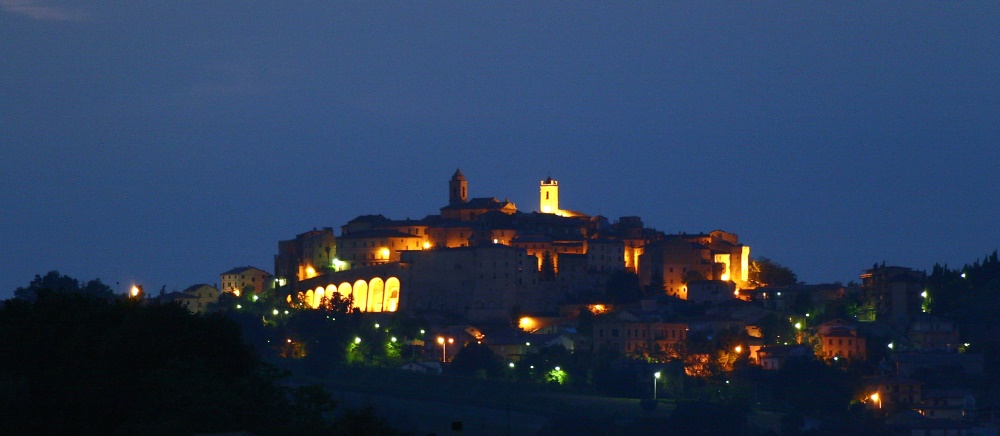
195,298
890,392
240,279
954,404
773,357
839,338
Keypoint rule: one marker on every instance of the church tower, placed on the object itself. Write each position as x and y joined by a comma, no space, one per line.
549,196
458,189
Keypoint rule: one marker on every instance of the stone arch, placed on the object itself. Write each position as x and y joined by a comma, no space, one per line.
308,301
376,288
345,290
331,292
360,294
391,303
317,296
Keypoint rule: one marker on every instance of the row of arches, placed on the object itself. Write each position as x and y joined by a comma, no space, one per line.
375,295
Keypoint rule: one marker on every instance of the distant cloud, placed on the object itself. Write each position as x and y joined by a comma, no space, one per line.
39,10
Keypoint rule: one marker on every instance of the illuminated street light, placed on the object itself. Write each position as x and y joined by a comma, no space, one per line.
798,326
444,347
890,345
357,340
275,311
135,291
875,398
656,377
738,349
923,294
511,365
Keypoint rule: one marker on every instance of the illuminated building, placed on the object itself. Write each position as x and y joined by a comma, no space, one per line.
238,280
479,257
839,338
306,256
679,259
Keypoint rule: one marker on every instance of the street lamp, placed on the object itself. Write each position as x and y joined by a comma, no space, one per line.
444,347
656,377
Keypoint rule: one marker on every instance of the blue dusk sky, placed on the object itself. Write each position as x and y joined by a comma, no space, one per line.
165,142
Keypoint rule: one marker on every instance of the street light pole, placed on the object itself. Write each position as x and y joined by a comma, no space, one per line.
444,347
656,377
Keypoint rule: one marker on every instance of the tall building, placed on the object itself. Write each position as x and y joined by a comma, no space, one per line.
458,189
893,293
548,196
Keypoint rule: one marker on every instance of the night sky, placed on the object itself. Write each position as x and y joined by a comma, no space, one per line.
166,142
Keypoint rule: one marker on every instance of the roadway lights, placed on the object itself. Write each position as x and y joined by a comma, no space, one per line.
357,340
656,376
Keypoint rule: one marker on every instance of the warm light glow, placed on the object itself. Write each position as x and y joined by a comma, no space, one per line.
527,324
546,209
135,291
874,396
440,340
427,245
236,292
310,272
384,252
338,265
451,340
598,309
739,349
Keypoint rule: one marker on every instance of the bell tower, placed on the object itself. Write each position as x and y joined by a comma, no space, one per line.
458,189
548,196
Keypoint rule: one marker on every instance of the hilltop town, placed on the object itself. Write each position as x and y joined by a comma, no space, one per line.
561,298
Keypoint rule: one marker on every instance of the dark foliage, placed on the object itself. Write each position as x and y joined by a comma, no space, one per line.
73,363
60,284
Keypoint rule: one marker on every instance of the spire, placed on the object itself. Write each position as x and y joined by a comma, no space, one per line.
458,175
